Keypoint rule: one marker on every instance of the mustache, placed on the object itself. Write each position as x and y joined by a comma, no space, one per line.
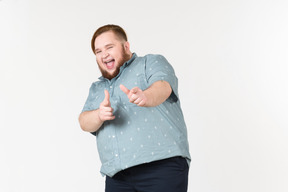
106,74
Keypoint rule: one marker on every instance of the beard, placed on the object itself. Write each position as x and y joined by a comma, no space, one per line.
125,57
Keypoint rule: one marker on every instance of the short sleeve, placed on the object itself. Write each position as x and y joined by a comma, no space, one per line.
93,101
158,68
94,98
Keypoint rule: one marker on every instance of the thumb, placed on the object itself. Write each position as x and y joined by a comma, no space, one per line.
106,100
124,89
134,90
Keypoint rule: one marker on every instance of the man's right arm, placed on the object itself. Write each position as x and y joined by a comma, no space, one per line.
91,121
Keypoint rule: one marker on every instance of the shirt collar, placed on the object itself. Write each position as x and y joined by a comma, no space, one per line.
134,55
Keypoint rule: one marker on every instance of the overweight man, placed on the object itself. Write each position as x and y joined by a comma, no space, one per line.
134,111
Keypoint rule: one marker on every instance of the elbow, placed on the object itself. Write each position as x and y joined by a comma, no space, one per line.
87,121
169,91
82,122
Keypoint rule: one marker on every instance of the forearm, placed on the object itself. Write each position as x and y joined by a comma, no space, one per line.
157,93
90,121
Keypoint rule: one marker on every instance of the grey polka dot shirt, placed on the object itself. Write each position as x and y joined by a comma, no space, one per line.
139,134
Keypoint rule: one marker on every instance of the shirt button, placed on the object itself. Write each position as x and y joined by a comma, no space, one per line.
116,155
111,87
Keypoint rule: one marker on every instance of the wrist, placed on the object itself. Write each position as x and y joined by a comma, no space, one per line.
149,98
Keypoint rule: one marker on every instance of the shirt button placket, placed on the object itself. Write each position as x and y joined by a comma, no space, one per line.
114,140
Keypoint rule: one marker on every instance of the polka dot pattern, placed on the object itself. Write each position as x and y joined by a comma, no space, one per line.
139,134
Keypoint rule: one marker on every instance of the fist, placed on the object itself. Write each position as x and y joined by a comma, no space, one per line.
105,109
135,95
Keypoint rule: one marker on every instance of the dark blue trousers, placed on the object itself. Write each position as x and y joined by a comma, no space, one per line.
168,175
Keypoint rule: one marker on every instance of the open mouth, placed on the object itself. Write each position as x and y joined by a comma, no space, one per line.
110,63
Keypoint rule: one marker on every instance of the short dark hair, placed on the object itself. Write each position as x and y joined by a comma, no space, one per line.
117,30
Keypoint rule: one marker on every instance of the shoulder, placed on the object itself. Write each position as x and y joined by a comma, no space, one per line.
150,58
97,84
154,57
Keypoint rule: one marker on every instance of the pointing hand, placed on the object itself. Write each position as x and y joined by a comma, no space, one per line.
105,109
135,95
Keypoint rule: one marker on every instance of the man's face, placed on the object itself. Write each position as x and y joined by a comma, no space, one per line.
111,53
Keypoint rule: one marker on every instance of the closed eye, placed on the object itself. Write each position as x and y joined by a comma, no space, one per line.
109,46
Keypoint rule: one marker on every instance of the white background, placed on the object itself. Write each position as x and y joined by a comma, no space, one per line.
231,61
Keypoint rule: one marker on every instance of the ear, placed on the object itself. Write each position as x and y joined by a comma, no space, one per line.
127,46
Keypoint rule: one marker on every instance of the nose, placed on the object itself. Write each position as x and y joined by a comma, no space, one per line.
105,54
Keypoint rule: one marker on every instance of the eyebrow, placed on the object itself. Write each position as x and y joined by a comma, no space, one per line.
109,44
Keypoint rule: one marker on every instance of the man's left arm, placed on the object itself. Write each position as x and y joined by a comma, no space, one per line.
154,95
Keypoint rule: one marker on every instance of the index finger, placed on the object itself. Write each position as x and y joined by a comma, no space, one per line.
124,89
107,98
